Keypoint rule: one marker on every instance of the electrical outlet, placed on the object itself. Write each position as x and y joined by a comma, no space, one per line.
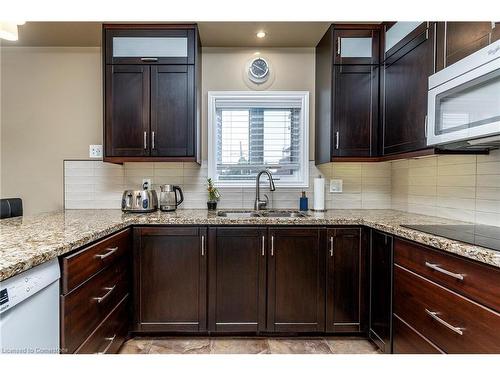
147,184
335,186
95,151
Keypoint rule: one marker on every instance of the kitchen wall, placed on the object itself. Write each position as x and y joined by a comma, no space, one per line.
463,187
51,109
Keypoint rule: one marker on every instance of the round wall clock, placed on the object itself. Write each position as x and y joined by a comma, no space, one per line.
258,71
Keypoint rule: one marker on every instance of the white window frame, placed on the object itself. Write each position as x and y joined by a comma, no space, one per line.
248,96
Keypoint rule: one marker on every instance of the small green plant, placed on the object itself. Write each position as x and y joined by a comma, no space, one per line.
213,192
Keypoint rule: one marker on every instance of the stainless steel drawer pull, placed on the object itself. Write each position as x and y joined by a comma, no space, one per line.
106,295
434,315
446,272
111,340
110,250
263,246
202,246
149,59
331,246
272,246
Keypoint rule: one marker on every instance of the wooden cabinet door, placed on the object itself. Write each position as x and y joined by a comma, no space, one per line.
172,110
456,40
296,280
127,110
405,86
355,117
381,259
170,271
346,270
237,269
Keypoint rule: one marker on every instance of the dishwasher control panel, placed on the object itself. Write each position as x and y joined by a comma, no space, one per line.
20,287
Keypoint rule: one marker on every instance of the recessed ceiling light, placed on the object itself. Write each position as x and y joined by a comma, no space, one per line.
261,34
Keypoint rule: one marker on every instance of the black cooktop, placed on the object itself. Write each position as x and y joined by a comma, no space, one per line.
480,235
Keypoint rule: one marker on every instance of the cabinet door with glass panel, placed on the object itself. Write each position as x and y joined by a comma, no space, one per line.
356,46
156,45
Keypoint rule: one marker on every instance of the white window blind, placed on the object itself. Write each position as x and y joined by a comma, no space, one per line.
249,132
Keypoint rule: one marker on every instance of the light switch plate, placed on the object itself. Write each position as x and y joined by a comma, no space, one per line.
335,186
95,151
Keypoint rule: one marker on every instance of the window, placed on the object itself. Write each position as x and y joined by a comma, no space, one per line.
252,131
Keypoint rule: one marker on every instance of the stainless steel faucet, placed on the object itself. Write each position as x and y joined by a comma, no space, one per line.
262,204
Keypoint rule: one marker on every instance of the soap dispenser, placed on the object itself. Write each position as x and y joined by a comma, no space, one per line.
303,202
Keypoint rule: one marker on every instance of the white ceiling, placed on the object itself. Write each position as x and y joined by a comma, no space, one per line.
212,34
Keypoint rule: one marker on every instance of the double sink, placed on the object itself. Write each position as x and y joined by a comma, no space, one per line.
261,213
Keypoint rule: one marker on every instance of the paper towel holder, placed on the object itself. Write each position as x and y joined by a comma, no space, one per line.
316,209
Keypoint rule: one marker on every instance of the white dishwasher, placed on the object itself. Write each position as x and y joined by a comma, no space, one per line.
29,311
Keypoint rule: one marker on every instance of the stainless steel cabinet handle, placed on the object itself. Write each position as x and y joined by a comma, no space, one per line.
263,246
110,339
145,140
331,246
425,124
337,140
338,46
202,246
434,315
272,246
149,59
153,140
106,295
446,272
110,250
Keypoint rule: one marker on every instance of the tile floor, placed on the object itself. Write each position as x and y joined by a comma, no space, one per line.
245,345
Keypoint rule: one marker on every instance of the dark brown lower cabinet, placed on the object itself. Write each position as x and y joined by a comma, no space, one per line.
408,340
170,279
237,284
381,258
346,298
296,279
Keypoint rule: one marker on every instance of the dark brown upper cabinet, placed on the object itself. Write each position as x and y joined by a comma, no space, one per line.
127,110
237,279
296,280
347,86
152,93
156,44
409,61
170,279
381,258
456,40
346,291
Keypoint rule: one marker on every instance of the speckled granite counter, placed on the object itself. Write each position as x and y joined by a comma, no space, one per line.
28,241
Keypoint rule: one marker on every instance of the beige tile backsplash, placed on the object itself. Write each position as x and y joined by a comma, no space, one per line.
463,187
94,184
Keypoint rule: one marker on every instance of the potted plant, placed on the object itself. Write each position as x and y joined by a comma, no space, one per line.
213,195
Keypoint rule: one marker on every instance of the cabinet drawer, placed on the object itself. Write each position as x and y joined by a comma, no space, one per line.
111,334
408,341
85,308
80,266
453,323
476,281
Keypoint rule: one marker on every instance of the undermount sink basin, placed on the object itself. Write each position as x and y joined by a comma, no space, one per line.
238,214
263,213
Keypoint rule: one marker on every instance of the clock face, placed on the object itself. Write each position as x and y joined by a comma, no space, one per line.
259,70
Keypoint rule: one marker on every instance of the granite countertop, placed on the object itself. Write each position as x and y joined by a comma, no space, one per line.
28,241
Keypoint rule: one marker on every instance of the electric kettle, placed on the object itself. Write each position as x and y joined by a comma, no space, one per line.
168,197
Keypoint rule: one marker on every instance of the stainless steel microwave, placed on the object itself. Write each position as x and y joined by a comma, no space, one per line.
464,102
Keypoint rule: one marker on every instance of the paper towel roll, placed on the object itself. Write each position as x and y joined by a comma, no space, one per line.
319,194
